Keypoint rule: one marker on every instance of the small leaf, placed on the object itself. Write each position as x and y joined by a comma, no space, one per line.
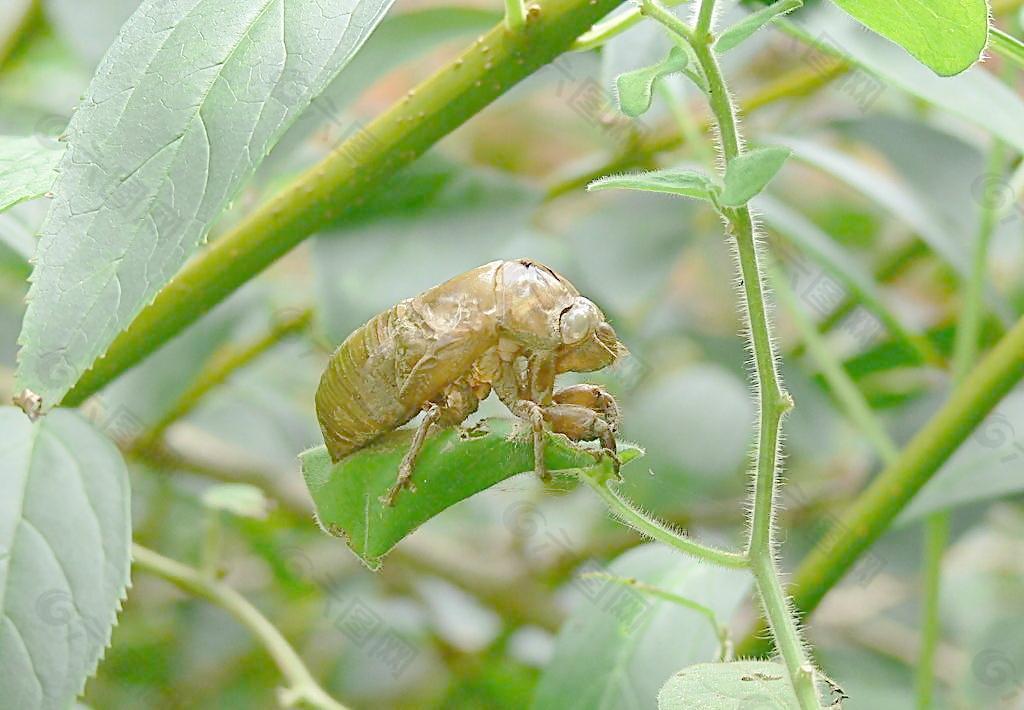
187,102
947,36
636,88
65,538
620,644
673,181
729,686
748,174
736,34
27,168
453,465
239,499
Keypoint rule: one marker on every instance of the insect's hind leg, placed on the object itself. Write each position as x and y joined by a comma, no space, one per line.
404,480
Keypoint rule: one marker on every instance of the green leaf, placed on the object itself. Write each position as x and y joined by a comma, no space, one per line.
976,95
729,686
188,101
749,173
65,537
619,645
452,466
947,36
743,29
636,88
27,168
672,181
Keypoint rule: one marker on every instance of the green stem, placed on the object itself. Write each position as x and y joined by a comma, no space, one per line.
343,180
936,537
515,14
303,690
218,370
773,399
874,510
656,530
965,352
606,29
835,374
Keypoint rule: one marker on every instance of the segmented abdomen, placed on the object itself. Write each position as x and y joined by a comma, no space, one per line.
358,398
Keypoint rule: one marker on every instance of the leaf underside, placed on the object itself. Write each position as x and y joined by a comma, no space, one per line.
27,168
187,102
453,465
65,538
672,181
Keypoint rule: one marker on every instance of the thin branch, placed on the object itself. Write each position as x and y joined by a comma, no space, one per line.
302,690
655,529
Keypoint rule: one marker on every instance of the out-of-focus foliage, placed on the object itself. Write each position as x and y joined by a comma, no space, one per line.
494,603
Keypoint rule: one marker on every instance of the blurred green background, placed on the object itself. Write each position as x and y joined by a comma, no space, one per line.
486,606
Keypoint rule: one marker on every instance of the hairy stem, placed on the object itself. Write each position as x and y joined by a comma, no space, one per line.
655,529
773,399
326,192
302,690
874,510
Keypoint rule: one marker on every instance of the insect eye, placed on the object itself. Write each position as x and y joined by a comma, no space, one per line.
578,321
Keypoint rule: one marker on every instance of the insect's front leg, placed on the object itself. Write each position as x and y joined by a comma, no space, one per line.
510,390
586,413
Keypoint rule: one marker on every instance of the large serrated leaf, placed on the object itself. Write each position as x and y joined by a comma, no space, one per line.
620,646
452,466
189,99
947,36
65,539
27,168
743,685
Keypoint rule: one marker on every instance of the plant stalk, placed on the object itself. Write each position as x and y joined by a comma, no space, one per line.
772,397
656,530
302,690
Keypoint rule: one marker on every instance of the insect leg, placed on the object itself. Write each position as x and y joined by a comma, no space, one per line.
404,480
582,424
507,388
592,397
